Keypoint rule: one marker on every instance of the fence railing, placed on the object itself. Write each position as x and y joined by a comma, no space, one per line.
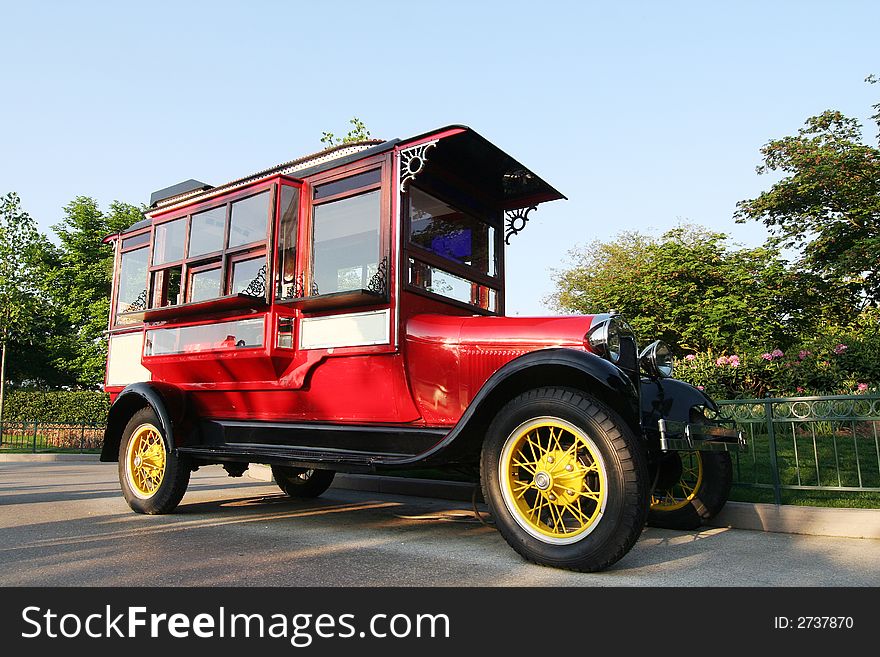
808,443
35,437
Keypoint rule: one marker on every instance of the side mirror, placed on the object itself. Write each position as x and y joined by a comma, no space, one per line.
656,360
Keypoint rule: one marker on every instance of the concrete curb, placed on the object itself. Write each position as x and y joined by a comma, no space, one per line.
37,458
810,520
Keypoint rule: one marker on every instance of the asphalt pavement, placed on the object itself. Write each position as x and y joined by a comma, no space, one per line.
66,524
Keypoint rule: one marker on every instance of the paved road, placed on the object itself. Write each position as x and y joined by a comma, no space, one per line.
67,524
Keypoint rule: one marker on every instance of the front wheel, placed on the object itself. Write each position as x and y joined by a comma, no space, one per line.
565,479
692,488
153,480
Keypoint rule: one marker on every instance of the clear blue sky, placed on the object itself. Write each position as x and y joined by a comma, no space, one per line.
644,114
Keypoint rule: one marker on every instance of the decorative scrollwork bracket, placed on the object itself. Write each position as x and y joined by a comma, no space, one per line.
379,281
515,221
257,286
413,161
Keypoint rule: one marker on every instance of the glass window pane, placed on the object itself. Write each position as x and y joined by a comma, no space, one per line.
285,333
286,287
238,334
450,234
437,281
168,242
137,240
346,243
206,231
348,184
205,285
132,293
250,217
166,287
249,277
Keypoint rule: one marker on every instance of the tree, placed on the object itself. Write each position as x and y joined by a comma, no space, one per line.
20,257
358,132
692,290
81,281
828,204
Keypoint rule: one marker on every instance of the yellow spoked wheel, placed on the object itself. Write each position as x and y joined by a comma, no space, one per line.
145,461
553,480
684,491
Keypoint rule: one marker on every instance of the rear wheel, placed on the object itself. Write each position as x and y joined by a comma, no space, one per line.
565,479
153,480
302,482
692,487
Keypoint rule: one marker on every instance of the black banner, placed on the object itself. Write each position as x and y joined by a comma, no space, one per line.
431,621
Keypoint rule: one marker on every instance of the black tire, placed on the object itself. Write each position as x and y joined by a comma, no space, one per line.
608,462
302,482
145,489
692,488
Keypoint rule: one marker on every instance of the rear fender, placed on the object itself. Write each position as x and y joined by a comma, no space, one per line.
169,404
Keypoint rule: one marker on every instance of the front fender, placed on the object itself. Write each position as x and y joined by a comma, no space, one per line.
671,399
167,401
554,367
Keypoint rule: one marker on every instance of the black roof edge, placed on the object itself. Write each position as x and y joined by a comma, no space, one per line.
190,185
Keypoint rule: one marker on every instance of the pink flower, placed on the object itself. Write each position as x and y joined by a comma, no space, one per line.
767,356
839,349
803,354
799,389
777,353
690,357
862,387
733,361
722,360
700,388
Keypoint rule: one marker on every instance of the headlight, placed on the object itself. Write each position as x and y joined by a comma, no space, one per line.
656,360
604,339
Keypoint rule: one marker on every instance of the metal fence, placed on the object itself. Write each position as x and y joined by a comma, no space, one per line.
35,437
808,443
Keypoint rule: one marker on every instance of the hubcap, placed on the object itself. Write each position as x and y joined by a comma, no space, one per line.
682,491
553,480
145,461
543,481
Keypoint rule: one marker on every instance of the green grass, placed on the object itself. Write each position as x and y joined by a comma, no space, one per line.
838,499
55,439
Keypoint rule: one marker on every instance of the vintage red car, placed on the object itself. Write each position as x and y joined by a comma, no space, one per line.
345,312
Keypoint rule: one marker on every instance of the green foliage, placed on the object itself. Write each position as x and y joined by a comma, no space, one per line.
827,205
835,361
20,269
692,290
63,407
358,132
81,279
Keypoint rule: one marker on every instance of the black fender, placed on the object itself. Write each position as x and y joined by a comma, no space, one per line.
556,367
671,399
168,402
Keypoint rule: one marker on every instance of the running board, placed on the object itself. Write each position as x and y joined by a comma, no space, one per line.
328,459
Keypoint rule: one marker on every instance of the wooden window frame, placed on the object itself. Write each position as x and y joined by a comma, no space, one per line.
225,256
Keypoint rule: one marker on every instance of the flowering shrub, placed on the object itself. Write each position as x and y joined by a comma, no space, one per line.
844,362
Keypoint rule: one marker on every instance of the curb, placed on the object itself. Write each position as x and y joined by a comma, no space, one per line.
42,458
810,520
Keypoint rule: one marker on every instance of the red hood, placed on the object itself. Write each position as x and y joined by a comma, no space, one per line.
564,331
